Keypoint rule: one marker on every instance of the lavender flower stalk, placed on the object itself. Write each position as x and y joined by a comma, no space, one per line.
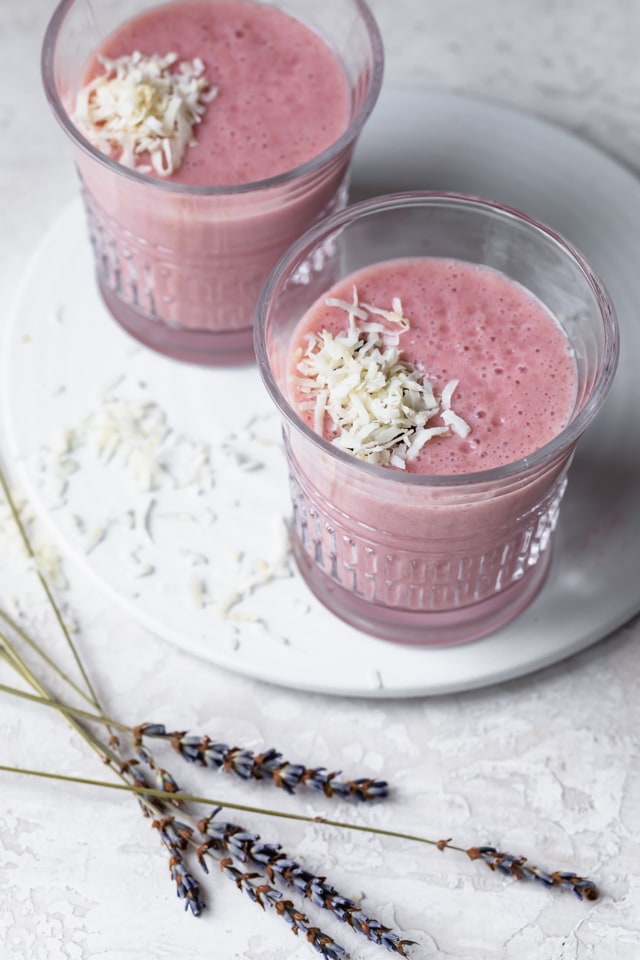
164,780
267,896
174,835
263,766
247,846
518,868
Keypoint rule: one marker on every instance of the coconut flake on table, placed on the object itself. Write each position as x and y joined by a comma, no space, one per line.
250,576
380,405
145,107
139,435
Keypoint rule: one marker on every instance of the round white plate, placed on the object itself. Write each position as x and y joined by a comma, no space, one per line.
196,551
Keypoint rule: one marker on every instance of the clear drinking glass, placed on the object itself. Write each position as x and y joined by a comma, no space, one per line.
413,558
181,267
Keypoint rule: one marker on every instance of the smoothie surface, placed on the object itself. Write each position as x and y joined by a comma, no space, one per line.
283,96
514,365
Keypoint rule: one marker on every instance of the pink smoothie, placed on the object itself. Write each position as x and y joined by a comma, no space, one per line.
176,266
282,98
513,363
383,545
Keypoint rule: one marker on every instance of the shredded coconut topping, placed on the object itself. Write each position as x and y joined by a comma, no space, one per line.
141,107
380,405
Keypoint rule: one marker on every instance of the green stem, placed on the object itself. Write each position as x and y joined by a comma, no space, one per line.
45,586
42,654
92,698
104,751
63,707
225,804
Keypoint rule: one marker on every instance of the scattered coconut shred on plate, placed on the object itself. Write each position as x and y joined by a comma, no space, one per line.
144,107
380,405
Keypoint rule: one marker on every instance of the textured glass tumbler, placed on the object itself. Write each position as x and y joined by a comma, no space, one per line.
413,558
181,267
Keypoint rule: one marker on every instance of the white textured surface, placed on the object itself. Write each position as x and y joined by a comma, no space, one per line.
546,766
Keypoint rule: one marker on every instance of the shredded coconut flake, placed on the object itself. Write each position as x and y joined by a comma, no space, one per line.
257,573
380,405
145,107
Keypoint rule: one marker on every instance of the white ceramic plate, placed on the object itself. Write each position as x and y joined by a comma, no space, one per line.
175,557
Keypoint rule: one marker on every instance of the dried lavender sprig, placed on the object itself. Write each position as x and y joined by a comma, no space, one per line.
176,837
518,868
247,808
583,888
265,895
506,863
268,765
165,780
247,846
244,846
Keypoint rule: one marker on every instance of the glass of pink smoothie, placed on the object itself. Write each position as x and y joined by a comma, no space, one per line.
432,390
181,253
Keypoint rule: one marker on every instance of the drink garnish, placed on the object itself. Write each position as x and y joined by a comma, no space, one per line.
380,405
143,109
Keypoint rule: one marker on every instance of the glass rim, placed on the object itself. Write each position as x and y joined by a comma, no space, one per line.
333,151
546,454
